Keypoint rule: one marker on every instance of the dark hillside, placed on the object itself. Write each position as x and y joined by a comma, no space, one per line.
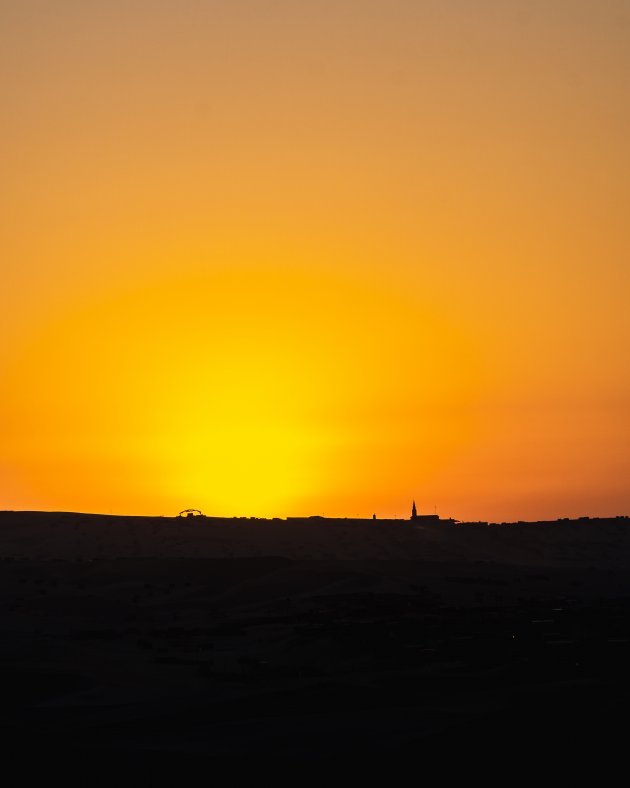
329,641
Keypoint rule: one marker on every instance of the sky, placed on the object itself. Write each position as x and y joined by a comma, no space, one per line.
276,258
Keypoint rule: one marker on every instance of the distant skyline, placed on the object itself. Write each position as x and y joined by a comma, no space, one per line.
277,258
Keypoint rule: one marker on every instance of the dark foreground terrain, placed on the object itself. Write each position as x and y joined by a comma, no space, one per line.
430,660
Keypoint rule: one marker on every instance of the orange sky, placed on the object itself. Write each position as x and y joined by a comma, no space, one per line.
278,258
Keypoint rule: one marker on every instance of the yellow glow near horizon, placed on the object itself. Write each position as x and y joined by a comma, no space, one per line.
246,390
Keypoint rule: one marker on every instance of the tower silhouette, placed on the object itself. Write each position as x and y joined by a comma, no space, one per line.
414,511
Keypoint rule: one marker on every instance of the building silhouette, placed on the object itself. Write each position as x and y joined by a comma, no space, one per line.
428,519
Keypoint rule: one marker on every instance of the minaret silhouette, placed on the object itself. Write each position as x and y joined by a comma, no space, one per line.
414,511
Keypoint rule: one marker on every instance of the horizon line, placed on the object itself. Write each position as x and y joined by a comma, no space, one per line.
313,517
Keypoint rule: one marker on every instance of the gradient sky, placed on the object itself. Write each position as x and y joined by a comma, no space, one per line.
282,258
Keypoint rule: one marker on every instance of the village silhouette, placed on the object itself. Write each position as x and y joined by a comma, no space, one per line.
415,518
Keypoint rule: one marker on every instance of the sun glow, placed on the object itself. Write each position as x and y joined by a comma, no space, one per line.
243,392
